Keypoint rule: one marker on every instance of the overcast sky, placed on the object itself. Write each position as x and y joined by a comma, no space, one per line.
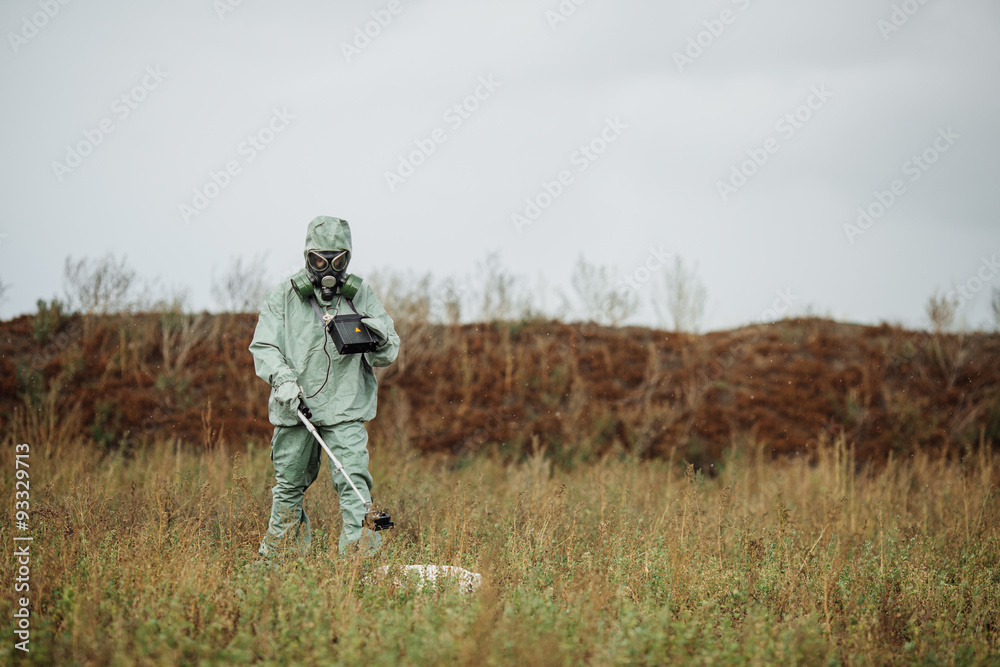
742,135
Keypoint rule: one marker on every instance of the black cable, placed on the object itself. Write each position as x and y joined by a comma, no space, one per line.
329,361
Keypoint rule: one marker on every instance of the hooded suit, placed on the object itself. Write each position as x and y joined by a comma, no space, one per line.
292,344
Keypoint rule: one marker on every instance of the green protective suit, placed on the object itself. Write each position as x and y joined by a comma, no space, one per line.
291,344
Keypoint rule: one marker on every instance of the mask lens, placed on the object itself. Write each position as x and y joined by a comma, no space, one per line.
317,262
340,261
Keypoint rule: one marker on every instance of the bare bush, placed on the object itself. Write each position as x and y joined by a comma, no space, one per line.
163,298
597,293
180,334
941,312
100,286
242,287
448,299
682,299
419,298
501,294
406,296
494,294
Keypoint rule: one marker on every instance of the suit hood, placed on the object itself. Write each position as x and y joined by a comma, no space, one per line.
326,233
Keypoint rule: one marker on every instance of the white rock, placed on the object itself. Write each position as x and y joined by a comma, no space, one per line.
428,575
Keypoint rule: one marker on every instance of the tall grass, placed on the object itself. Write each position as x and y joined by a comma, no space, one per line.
145,560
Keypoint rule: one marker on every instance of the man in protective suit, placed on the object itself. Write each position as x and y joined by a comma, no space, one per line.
294,354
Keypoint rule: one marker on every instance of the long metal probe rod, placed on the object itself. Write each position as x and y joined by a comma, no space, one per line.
337,465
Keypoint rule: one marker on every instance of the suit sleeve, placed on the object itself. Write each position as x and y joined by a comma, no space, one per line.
267,346
389,349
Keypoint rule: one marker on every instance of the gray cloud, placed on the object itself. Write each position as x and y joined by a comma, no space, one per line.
656,185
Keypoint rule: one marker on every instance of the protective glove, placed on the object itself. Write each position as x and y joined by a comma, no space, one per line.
377,328
287,394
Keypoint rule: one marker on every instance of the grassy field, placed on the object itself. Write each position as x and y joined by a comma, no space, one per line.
145,561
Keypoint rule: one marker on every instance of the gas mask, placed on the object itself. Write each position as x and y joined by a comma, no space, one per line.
327,270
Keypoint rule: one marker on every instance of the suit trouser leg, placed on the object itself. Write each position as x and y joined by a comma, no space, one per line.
296,457
349,443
